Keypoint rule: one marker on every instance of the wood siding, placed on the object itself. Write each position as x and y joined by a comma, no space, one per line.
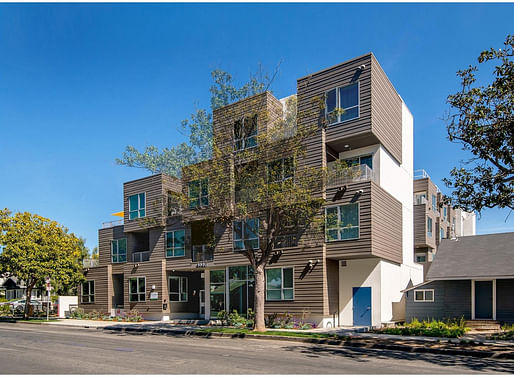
505,300
105,236
103,289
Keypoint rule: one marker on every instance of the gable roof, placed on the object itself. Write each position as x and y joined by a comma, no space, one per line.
484,256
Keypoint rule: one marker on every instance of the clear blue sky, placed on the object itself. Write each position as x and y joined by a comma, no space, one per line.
80,82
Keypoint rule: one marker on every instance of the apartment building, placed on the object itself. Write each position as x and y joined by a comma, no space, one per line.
434,220
160,260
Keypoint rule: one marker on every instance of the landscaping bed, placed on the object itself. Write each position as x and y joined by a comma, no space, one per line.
448,329
131,316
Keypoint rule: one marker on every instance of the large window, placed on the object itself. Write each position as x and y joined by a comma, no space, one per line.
279,283
280,170
360,160
424,295
88,292
175,244
342,222
119,250
434,203
137,206
421,198
198,193
217,291
344,99
177,287
245,133
137,288
246,232
429,227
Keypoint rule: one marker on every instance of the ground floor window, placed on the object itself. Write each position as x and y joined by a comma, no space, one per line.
137,288
177,286
279,284
88,292
217,291
232,288
424,295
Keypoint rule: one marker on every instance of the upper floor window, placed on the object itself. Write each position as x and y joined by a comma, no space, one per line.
429,227
119,250
279,283
360,160
421,258
421,198
137,206
245,133
88,292
445,213
280,170
174,205
441,233
177,287
246,232
198,193
344,98
175,244
434,203
342,222
137,289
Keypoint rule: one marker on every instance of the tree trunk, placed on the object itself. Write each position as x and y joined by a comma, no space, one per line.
28,295
259,298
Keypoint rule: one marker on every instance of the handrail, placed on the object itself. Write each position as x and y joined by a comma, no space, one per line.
357,173
140,256
88,263
202,253
111,224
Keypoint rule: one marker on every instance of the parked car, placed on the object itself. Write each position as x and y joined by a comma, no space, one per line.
19,305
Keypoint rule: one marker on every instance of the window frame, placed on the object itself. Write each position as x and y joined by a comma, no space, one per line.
282,170
118,250
424,295
89,295
339,228
421,256
441,233
243,239
338,103
281,284
200,196
430,231
181,280
138,293
174,247
244,140
434,203
139,209
359,157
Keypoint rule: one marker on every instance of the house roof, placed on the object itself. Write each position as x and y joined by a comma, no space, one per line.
484,256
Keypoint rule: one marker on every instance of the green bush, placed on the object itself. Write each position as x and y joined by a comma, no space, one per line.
134,316
449,329
5,310
78,313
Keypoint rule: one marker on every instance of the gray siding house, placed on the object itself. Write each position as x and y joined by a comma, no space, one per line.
470,277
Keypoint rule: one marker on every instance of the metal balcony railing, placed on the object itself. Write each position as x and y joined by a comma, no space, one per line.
88,263
202,253
110,224
287,240
357,173
140,256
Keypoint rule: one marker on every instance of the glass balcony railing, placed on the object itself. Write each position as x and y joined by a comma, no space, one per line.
140,256
88,263
111,224
202,253
357,173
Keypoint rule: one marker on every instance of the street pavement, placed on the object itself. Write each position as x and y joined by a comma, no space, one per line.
38,349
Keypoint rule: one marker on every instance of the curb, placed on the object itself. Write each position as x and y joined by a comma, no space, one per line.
348,342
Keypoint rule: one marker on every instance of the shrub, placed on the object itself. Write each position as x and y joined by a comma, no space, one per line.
234,319
271,319
78,313
450,329
5,310
134,316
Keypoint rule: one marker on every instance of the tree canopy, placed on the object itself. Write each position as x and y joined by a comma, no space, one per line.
482,120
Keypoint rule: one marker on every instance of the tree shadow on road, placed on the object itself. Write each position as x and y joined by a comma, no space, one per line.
364,355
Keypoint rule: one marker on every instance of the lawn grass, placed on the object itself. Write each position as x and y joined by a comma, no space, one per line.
228,330
35,320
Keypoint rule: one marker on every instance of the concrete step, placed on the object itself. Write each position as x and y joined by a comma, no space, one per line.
483,325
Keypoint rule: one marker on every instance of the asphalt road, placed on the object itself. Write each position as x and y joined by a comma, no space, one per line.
41,349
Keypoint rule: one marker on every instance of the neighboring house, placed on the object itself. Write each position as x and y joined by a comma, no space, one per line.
434,220
158,260
16,289
470,277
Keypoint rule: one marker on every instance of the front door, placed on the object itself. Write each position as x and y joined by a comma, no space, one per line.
483,299
362,306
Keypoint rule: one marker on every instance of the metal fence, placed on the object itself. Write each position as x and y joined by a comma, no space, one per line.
357,173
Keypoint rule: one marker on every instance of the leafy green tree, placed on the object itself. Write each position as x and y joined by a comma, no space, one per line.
199,128
35,247
482,120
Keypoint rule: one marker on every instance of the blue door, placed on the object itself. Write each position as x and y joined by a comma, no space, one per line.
362,306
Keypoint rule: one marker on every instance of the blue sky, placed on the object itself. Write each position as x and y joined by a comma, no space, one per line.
79,82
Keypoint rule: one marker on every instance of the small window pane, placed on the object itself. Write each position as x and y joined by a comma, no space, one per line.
419,295
331,101
349,96
217,276
288,277
133,203
332,234
350,114
429,296
122,246
174,296
85,288
273,294
331,219
141,284
238,230
274,278
174,284
142,200
367,160
288,294
349,233
179,252
133,285
92,287
179,238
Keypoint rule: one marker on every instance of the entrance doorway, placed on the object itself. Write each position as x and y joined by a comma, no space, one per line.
483,299
117,288
362,306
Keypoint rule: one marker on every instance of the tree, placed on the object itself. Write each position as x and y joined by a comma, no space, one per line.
482,120
198,127
35,248
266,192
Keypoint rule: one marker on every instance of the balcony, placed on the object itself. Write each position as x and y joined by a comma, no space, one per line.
89,263
287,240
111,224
353,174
202,253
140,256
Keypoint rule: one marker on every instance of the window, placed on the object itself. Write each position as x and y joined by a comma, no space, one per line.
434,203
119,250
279,284
245,133
444,212
199,193
360,160
174,206
441,233
421,198
177,286
421,258
137,288
246,232
88,292
429,227
342,222
175,243
137,205
217,291
345,98
280,170
424,295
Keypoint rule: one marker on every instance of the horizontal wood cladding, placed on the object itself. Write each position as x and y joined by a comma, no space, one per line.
420,225
153,272
103,289
104,243
386,111
386,225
